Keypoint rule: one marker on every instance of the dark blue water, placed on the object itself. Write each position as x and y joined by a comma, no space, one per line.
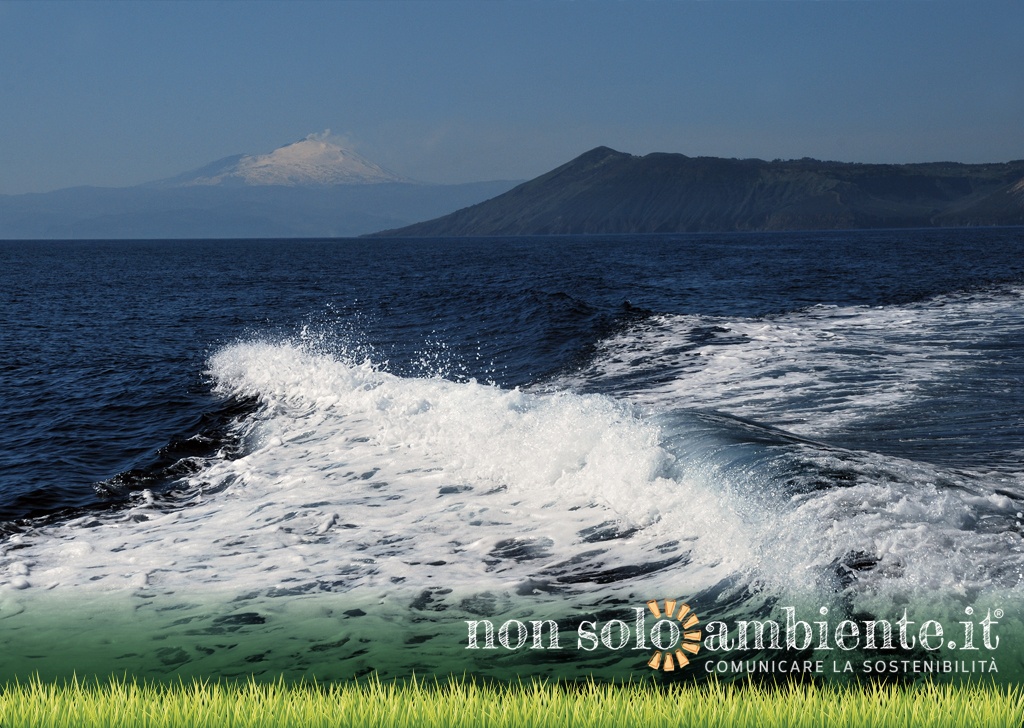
305,443
103,344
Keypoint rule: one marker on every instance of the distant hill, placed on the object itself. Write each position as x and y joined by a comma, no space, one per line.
311,188
310,162
605,191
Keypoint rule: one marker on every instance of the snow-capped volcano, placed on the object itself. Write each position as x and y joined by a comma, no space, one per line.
313,161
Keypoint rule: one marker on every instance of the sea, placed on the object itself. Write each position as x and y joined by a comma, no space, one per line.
330,458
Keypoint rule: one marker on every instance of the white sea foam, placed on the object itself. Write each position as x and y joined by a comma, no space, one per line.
356,478
812,372
358,481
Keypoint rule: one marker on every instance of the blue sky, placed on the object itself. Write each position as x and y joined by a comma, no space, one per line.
118,93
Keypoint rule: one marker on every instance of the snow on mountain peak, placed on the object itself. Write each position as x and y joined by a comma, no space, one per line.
311,161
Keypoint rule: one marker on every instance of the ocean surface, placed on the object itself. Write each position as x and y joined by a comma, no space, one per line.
322,457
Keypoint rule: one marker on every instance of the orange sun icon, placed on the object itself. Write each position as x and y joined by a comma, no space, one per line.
690,642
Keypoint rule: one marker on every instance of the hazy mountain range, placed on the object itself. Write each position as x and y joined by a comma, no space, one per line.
311,188
314,188
605,191
310,162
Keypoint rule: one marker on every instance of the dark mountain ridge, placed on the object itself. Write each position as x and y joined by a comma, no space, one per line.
606,191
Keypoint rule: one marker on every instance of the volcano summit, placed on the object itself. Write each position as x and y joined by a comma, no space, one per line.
312,161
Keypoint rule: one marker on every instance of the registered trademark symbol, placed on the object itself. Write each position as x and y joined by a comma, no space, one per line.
998,613
951,645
